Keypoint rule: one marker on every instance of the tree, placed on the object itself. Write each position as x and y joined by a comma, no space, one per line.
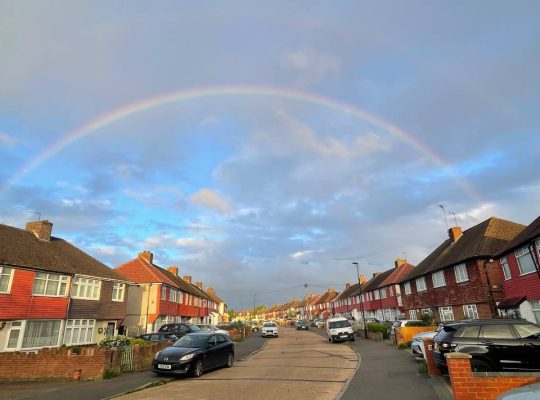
232,314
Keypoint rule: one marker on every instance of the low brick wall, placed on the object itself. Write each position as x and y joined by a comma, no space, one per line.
468,385
61,363
376,336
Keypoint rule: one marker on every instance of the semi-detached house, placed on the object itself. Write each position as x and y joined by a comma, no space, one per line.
52,293
459,279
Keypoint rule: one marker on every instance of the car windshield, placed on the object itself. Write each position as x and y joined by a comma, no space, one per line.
339,324
269,325
197,341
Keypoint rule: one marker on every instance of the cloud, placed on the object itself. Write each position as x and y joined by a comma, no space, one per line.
211,199
6,140
310,66
127,171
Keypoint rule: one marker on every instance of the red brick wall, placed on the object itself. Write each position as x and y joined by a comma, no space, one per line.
467,385
60,363
473,291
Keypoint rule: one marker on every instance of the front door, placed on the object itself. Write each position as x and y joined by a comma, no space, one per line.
110,328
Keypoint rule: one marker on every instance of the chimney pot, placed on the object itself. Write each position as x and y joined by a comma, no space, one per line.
173,270
42,229
362,279
187,278
375,274
210,290
147,256
455,233
198,284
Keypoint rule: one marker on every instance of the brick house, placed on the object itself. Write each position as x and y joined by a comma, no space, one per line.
218,308
457,280
161,296
52,293
390,292
371,295
521,274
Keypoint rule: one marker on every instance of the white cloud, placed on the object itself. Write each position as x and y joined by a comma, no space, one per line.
7,140
211,199
192,242
311,66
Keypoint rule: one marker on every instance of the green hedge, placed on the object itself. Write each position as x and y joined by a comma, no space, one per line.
417,323
377,327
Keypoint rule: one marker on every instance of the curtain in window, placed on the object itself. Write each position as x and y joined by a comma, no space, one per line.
41,334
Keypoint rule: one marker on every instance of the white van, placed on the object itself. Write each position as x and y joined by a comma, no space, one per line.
338,329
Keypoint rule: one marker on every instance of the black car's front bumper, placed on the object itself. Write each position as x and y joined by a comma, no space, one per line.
182,368
341,337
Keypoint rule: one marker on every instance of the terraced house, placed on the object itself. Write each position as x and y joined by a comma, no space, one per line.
52,293
459,279
161,296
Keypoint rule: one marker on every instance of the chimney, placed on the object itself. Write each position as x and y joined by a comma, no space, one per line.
347,285
146,256
455,233
42,229
198,284
399,262
173,270
187,278
375,274
362,279
210,290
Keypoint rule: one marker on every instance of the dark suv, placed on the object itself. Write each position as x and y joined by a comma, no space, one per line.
495,345
179,329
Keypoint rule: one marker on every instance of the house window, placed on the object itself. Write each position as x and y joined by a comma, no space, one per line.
118,291
172,295
427,311
86,288
14,334
412,314
41,334
5,279
179,298
446,314
79,331
461,273
390,291
438,279
535,306
525,261
50,284
383,293
407,286
506,269
421,284
376,292
163,293
470,311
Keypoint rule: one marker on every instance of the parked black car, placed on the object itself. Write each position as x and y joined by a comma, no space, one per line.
302,325
158,337
195,353
179,329
495,345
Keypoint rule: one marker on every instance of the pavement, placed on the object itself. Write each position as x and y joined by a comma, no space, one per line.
92,390
381,372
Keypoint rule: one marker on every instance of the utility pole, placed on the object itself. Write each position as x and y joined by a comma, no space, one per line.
361,300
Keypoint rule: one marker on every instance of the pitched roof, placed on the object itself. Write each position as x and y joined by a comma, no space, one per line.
213,296
397,274
531,232
375,282
480,241
21,248
347,292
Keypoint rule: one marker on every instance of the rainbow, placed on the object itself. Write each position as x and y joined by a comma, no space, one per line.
233,90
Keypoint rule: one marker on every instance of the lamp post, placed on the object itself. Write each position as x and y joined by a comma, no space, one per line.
361,300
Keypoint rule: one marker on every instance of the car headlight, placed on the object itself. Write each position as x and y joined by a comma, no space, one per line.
187,357
333,331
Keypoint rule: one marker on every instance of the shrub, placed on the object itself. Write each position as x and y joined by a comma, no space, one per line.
403,346
427,318
110,373
139,342
378,327
116,342
417,323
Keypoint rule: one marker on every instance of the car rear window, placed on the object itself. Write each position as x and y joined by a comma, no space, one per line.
468,331
445,334
527,331
269,325
496,332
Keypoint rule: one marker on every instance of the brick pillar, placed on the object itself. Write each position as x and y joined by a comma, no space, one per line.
459,369
432,367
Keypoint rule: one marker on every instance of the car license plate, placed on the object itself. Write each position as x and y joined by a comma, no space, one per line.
343,336
164,366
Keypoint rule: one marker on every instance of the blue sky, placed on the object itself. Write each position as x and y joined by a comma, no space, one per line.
259,194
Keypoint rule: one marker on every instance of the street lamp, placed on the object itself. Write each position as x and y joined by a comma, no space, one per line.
361,300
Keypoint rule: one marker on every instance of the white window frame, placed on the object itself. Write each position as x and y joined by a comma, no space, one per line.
460,271
118,291
412,314
81,286
535,308
9,275
163,292
383,293
438,279
407,287
376,294
390,291
506,269
423,287
470,311
27,327
172,295
63,282
445,312
83,329
426,311
524,252
179,297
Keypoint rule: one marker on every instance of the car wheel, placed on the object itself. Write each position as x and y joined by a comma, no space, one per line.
230,360
198,369
352,339
480,366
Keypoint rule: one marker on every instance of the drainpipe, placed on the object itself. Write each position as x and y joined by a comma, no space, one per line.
490,289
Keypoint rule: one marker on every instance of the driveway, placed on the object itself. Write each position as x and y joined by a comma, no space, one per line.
295,365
